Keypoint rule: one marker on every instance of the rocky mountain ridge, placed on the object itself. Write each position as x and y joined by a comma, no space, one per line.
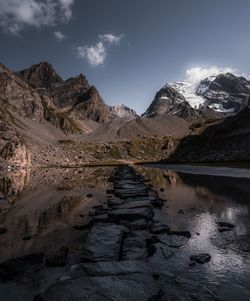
214,97
123,111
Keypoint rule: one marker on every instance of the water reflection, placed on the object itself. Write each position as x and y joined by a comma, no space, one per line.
39,207
196,203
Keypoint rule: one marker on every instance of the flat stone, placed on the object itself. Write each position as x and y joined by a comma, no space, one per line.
180,233
15,267
131,214
115,268
139,224
201,258
134,248
158,228
162,252
103,242
114,202
57,257
174,241
132,287
134,204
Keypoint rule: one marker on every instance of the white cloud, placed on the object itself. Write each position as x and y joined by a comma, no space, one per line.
96,54
196,74
59,36
15,15
111,38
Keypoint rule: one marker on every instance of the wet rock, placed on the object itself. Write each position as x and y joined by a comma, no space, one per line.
134,204
162,252
115,268
103,242
180,233
201,258
134,248
115,202
131,214
139,224
132,287
158,228
57,257
13,268
174,241
224,226
101,218
3,230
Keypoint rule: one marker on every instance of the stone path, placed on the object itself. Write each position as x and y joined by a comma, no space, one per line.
125,254
123,247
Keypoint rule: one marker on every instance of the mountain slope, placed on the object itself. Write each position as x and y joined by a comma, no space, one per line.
169,101
160,126
225,141
74,95
123,111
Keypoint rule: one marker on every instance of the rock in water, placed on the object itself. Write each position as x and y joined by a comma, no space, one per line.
103,243
201,258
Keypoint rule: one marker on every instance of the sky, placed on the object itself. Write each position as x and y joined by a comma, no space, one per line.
128,49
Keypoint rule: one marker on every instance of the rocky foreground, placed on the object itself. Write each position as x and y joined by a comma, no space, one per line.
124,254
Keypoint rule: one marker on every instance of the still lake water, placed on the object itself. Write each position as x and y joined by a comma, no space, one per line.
39,208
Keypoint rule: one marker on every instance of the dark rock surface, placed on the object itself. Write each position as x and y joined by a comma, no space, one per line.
201,258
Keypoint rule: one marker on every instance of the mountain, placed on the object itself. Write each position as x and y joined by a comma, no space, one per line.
172,102
123,111
75,95
228,140
212,98
224,93
18,96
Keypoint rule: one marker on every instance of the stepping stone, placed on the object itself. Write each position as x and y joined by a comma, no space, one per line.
134,248
174,241
158,228
134,204
139,224
115,268
131,214
104,242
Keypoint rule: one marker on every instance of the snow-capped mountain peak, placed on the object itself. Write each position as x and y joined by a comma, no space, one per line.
223,93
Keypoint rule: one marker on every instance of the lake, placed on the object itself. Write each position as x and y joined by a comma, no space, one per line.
46,207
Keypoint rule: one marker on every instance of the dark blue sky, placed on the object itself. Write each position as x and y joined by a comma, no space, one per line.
162,39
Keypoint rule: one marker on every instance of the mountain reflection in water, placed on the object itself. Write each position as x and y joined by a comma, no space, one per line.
39,208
